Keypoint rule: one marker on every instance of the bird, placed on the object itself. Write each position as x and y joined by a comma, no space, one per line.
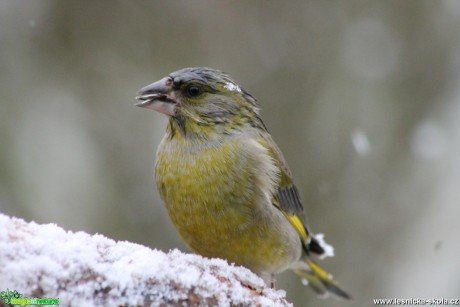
225,183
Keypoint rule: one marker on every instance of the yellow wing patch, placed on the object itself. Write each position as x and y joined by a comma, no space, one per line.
318,270
298,225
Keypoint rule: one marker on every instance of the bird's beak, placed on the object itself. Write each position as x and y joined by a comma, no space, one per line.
158,96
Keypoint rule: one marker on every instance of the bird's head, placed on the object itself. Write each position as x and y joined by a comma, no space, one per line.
200,101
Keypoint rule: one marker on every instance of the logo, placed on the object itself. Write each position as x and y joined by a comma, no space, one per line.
15,298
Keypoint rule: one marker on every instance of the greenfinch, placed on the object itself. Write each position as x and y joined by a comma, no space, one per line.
225,183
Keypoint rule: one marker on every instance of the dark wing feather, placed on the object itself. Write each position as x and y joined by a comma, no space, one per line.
287,198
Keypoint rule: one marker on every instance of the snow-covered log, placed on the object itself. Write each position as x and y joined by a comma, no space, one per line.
91,270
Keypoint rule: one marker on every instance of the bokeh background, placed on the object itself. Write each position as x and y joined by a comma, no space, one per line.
363,97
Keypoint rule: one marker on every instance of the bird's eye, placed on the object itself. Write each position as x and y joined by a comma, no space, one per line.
193,91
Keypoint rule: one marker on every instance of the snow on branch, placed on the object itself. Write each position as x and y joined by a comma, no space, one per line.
46,261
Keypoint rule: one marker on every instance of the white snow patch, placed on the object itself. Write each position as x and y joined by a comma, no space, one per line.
328,249
232,87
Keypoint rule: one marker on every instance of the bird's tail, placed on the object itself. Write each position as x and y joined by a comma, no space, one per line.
320,280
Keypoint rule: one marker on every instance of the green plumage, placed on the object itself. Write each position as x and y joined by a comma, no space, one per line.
225,183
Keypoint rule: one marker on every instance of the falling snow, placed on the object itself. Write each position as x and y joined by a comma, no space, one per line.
360,142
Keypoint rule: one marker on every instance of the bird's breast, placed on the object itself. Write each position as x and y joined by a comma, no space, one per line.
209,188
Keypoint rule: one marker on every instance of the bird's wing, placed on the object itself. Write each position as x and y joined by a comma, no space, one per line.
287,198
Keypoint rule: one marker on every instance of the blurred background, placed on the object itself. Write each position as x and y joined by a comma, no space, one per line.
363,97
